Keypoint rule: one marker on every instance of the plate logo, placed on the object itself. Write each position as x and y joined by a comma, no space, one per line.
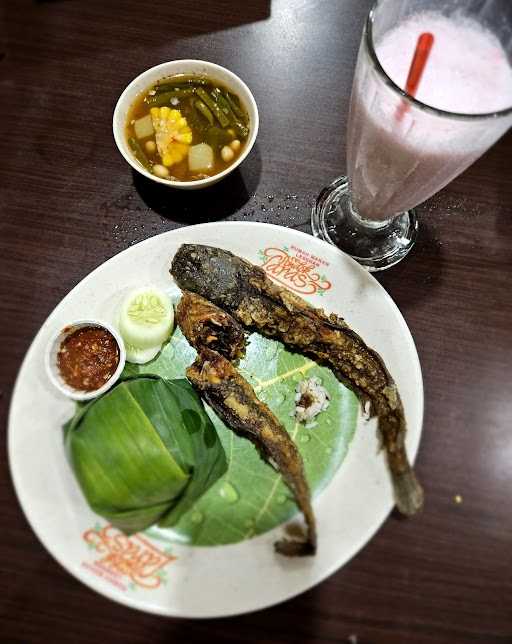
296,269
126,562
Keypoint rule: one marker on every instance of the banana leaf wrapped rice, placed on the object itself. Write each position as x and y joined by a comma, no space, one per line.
144,452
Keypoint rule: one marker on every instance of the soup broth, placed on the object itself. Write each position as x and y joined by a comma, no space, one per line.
186,128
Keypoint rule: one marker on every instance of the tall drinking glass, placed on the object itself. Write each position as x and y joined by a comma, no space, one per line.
403,149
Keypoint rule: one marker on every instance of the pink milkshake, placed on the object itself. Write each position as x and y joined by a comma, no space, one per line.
396,163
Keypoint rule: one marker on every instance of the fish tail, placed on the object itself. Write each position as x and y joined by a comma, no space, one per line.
306,546
408,492
290,548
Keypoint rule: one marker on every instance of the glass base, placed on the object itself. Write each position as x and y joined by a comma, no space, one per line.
374,244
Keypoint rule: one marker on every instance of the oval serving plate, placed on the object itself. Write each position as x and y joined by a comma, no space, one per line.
159,571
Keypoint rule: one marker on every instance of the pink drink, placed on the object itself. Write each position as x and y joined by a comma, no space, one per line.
395,164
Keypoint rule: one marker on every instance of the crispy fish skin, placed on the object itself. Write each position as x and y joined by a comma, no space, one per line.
255,301
207,328
233,398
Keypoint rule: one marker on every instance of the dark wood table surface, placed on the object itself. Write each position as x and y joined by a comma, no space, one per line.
69,202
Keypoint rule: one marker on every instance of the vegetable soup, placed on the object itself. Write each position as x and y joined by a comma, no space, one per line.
186,128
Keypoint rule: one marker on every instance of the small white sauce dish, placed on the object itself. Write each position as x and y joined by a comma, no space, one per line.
194,67
52,368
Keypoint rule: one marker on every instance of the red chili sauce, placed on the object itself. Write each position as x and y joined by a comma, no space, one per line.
87,358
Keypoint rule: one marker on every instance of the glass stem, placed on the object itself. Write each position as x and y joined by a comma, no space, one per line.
376,244
369,226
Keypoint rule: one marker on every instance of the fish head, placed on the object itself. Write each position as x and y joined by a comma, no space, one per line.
213,273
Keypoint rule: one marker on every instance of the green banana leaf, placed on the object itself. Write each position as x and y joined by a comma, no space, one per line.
144,452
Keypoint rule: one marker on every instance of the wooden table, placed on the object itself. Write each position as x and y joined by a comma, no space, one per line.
69,202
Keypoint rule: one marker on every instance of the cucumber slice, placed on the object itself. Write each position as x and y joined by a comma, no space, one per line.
146,318
141,356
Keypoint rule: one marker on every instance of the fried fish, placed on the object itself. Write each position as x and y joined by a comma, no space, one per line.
244,291
207,327
218,338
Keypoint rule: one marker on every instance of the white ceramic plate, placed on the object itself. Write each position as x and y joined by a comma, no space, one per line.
187,581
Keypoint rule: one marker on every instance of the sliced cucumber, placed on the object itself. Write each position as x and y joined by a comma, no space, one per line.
141,356
146,320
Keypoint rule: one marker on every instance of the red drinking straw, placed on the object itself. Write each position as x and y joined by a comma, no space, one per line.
419,61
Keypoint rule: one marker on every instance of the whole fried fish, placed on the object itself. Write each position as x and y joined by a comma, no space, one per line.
218,338
244,291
